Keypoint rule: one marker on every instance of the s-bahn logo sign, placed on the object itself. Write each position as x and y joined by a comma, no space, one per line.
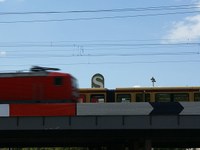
97,81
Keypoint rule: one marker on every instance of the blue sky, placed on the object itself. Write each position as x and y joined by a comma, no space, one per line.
127,41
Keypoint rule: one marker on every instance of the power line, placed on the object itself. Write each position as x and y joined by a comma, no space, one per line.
103,42
134,62
97,18
107,63
91,49
39,55
90,41
54,44
152,8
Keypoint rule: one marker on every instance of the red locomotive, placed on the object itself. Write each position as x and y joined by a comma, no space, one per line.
39,85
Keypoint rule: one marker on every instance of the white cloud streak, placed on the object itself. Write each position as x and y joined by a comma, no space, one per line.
187,29
2,53
1,1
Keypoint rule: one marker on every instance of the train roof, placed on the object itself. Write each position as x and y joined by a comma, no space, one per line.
23,74
33,72
143,89
161,89
93,89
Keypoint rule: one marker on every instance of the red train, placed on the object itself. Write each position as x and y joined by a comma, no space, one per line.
44,91
39,85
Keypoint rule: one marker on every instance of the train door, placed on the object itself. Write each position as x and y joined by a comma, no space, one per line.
110,96
143,97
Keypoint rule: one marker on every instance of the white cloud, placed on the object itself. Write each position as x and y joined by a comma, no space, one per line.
198,4
1,1
2,53
187,29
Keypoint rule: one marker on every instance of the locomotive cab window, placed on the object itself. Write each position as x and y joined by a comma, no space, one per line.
123,98
97,98
58,81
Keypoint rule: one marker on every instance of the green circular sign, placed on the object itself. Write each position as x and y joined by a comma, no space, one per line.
97,81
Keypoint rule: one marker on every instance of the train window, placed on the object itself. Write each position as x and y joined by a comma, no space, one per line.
123,98
143,97
196,96
58,81
82,98
97,98
74,83
162,97
177,97
172,97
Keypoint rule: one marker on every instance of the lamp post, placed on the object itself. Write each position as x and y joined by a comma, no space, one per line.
153,80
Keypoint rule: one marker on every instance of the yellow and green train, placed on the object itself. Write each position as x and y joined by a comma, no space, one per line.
140,94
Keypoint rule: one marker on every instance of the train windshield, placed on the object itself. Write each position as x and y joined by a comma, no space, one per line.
74,83
75,88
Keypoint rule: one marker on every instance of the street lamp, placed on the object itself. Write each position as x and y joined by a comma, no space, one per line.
153,80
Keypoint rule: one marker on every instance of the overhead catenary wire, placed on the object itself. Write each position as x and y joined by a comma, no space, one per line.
101,46
151,8
39,55
164,10
29,48
96,18
105,63
55,44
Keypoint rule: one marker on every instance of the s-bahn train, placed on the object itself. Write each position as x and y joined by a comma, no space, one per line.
46,85
140,94
39,85
44,91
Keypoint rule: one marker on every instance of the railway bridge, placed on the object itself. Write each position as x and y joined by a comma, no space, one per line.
134,126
